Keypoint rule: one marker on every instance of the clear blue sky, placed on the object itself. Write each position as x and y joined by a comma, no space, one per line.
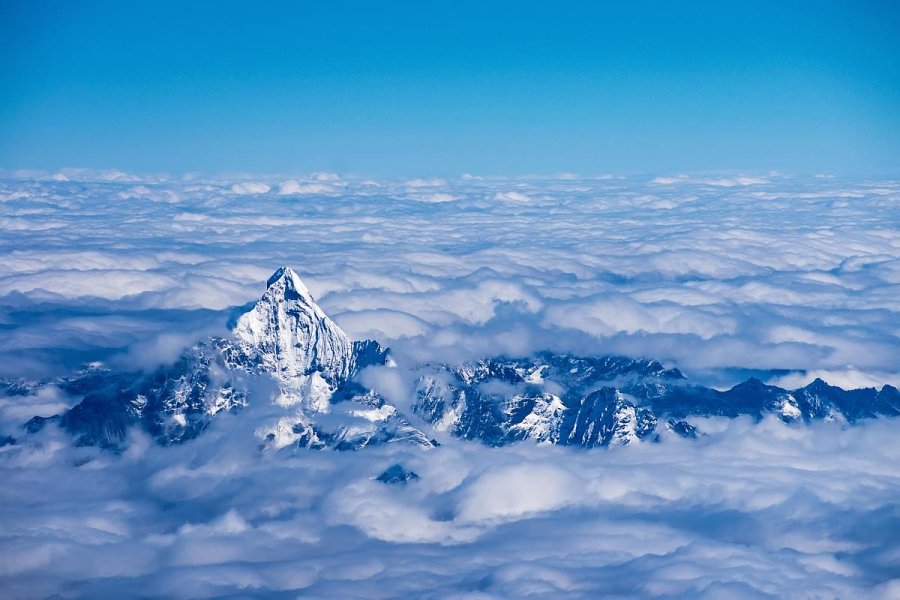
441,88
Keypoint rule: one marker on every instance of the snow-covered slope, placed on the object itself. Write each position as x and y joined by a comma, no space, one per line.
611,400
287,335
283,352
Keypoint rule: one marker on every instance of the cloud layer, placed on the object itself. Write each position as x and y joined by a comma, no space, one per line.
711,273
719,275
752,511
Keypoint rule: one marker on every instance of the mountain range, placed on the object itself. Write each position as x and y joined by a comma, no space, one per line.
285,353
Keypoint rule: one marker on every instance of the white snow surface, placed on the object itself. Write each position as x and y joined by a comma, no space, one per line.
291,336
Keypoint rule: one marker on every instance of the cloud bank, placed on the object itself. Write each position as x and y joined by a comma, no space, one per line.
772,272
722,276
751,511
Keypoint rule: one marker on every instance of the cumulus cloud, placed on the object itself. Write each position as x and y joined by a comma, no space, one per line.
740,180
669,180
325,176
250,187
288,188
733,181
793,273
318,183
749,511
434,197
511,197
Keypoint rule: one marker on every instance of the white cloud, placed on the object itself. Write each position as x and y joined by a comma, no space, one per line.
748,511
436,197
669,180
710,276
514,492
740,180
250,187
708,273
381,324
432,182
733,181
110,284
849,379
511,197
293,186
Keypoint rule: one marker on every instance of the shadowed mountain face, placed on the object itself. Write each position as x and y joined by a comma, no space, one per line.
286,353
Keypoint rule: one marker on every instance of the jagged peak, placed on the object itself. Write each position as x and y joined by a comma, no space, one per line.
290,280
280,273
753,383
818,384
286,285
607,393
291,335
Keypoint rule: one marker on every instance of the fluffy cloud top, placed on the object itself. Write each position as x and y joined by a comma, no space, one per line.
785,273
722,276
751,511
250,187
511,197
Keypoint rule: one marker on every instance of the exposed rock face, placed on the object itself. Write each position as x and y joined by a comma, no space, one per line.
397,475
612,400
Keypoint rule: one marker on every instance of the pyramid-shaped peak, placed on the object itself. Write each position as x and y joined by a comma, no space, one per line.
287,277
755,385
280,273
290,335
818,384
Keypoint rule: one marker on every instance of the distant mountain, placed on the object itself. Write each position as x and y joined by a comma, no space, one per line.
286,352
612,400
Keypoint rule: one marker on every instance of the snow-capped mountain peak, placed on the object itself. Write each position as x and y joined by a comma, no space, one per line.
287,334
285,339
287,277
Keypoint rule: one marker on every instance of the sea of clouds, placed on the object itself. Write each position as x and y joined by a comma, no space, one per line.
722,276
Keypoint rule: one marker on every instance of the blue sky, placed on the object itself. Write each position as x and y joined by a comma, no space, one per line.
787,276
441,88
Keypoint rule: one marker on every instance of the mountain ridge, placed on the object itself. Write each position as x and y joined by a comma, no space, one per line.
285,351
